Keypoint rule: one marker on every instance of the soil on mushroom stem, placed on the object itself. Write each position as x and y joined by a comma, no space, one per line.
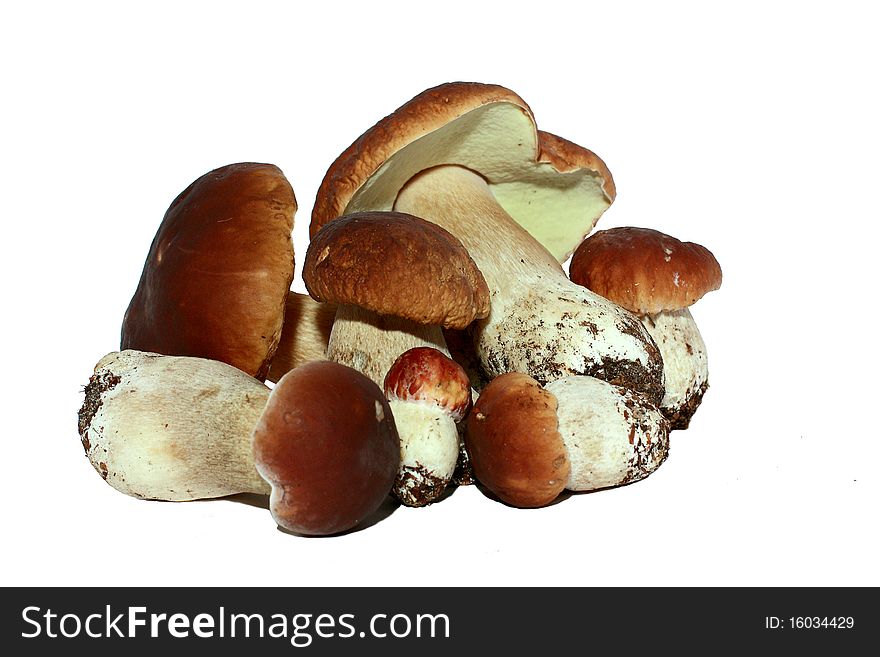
97,386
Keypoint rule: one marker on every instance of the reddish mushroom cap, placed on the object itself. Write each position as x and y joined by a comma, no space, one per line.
216,278
426,374
514,443
328,446
644,270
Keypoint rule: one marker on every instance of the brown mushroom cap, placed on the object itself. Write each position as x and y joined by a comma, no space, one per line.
514,443
328,446
216,278
644,270
396,264
490,130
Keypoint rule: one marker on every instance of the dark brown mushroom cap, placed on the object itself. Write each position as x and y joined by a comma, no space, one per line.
328,446
521,164
644,270
514,443
396,264
216,277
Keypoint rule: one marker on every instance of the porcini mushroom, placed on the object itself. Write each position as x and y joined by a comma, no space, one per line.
172,427
179,428
657,277
514,443
328,446
469,158
217,274
528,443
429,394
397,280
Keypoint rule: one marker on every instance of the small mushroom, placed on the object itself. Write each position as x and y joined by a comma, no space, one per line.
528,443
328,445
429,394
218,272
172,427
657,277
469,158
514,442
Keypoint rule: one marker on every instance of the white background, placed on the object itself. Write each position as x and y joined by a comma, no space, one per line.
752,130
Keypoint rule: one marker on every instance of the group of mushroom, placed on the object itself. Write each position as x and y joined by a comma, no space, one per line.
442,341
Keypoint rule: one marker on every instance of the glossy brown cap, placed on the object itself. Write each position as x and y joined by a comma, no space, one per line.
482,144
644,270
216,277
514,443
328,446
396,264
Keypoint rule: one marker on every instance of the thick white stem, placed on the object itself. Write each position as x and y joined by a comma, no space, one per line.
428,451
370,343
304,336
685,367
540,323
172,428
612,436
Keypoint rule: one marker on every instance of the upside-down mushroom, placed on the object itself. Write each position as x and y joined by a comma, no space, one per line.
469,158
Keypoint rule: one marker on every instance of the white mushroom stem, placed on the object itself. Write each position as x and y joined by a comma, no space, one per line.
428,451
685,366
172,428
304,335
370,343
613,436
540,322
